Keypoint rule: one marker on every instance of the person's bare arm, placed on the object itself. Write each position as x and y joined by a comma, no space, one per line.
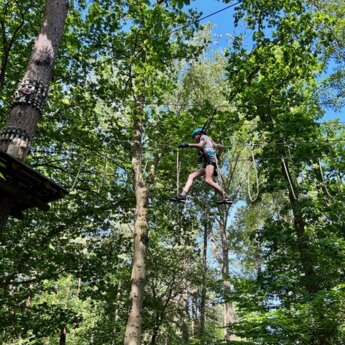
199,145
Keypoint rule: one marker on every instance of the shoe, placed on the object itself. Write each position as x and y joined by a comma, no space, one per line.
225,200
179,198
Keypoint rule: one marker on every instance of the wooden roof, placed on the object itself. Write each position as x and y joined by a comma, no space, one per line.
26,187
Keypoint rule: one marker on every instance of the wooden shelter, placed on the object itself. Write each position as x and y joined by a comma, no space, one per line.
26,187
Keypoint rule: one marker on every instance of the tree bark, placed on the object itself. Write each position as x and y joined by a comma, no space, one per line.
154,334
229,314
194,314
133,326
32,91
204,275
311,283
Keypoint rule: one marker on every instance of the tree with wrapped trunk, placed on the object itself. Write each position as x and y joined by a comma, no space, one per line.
31,93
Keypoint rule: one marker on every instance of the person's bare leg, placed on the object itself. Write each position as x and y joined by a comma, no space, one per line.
191,179
209,180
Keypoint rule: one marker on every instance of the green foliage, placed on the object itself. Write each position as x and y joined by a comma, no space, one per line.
20,25
70,267
274,87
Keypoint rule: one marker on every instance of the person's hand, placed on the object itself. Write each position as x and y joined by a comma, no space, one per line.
183,145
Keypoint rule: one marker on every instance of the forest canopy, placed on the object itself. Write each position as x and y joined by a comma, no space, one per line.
100,97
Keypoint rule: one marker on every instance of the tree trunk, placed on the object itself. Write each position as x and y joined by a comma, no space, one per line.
311,283
32,91
204,274
184,318
194,313
63,335
133,326
229,314
319,336
154,335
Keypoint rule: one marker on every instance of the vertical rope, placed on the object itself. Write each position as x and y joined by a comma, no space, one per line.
77,176
241,182
293,179
220,176
232,167
288,177
209,120
333,162
256,177
178,168
324,182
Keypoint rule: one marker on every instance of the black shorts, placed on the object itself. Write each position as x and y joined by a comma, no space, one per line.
207,160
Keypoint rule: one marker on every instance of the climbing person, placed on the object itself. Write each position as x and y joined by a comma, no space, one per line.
208,157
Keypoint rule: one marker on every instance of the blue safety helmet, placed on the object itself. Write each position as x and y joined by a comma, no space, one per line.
196,131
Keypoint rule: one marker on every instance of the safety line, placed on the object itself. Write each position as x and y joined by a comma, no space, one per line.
324,182
266,159
276,104
261,159
198,20
257,145
287,173
178,168
76,178
256,178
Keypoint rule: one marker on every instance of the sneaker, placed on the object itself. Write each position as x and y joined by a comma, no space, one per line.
225,200
179,198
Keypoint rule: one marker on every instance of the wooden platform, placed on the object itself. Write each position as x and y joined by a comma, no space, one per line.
26,186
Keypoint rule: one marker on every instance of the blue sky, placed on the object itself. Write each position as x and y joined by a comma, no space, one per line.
223,25
222,22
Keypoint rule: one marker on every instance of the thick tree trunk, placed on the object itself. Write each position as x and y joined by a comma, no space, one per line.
31,94
133,326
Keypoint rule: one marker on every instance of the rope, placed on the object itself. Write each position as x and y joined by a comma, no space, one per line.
178,168
232,169
324,182
232,172
288,177
77,176
333,161
209,120
256,178
220,176
293,179
50,151
197,21
241,182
